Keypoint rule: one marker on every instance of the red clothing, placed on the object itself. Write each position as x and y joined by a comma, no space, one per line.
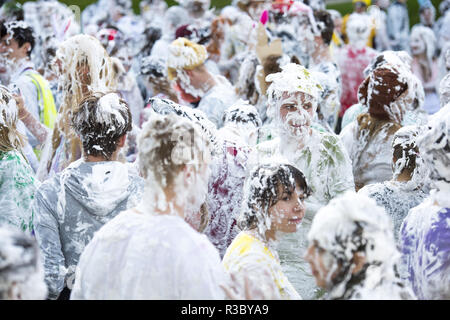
352,63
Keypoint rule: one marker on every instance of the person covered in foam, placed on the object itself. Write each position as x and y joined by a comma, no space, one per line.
320,156
353,58
72,205
212,94
273,204
21,272
83,67
368,140
228,171
425,232
425,64
352,251
400,60
18,183
164,256
409,184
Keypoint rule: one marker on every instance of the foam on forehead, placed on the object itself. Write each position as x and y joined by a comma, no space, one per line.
427,36
293,78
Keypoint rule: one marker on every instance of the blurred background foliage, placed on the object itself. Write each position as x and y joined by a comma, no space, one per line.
343,8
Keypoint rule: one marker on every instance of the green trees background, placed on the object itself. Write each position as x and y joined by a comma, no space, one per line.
344,8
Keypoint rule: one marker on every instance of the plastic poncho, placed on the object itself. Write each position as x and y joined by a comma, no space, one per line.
425,240
140,256
371,160
228,173
396,198
250,255
329,103
71,206
425,231
17,188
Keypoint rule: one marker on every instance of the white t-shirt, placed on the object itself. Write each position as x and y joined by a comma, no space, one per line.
146,256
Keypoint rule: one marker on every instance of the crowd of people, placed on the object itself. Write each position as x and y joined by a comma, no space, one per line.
265,150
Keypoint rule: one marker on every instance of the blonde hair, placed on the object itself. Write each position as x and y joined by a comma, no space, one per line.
10,137
167,144
85,68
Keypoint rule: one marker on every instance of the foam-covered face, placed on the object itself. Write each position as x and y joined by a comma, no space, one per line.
417,44
10,53
358,31
296,112
321,263
288,212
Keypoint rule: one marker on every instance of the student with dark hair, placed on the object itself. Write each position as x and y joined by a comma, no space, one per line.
323,61
72,205
425,232
407,188
17,41
352,251
273,203
160,253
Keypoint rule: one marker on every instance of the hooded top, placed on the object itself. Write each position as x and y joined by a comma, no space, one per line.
139,255
70,207
369,139
425,232
382,91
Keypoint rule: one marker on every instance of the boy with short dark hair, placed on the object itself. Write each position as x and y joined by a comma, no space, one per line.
70,207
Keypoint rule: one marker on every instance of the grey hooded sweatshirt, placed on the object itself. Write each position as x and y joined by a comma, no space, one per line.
71,206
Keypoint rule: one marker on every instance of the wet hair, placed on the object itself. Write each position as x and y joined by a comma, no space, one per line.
264,188
20,32
166,144
100,128
408,152
358,244
272,65
242,112
10,137
379,90
327,25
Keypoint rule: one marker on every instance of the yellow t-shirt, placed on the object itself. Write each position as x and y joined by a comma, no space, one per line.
250,255
344,31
